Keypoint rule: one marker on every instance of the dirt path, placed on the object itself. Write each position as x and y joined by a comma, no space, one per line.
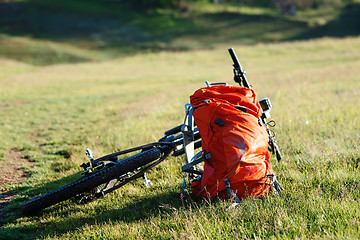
13,170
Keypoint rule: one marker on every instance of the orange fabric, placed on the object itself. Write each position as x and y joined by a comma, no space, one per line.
238,145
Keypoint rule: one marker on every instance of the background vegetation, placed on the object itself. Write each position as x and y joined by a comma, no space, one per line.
49,32
106,76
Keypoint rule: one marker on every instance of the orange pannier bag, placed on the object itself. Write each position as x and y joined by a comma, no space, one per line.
228,121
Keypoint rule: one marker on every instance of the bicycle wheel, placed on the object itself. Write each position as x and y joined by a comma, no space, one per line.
88,183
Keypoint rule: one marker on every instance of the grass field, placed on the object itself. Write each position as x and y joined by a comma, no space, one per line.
50,114
63,90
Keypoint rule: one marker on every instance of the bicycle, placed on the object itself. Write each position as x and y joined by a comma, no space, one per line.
106,174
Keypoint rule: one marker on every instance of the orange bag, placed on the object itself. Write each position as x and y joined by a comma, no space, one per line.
228,121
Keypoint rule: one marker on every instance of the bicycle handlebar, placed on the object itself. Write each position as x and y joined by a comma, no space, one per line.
239,74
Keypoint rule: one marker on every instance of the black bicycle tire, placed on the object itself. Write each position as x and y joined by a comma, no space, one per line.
88,183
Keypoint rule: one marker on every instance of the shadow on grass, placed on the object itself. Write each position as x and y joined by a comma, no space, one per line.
140,209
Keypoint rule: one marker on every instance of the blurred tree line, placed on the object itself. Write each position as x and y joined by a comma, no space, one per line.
288,7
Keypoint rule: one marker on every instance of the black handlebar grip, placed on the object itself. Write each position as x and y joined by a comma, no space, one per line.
234,58
239,74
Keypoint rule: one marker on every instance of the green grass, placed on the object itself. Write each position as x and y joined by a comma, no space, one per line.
52,113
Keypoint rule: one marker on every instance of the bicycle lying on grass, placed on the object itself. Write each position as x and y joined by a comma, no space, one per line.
106,174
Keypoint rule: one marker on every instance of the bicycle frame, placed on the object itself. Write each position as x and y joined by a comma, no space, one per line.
179,140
